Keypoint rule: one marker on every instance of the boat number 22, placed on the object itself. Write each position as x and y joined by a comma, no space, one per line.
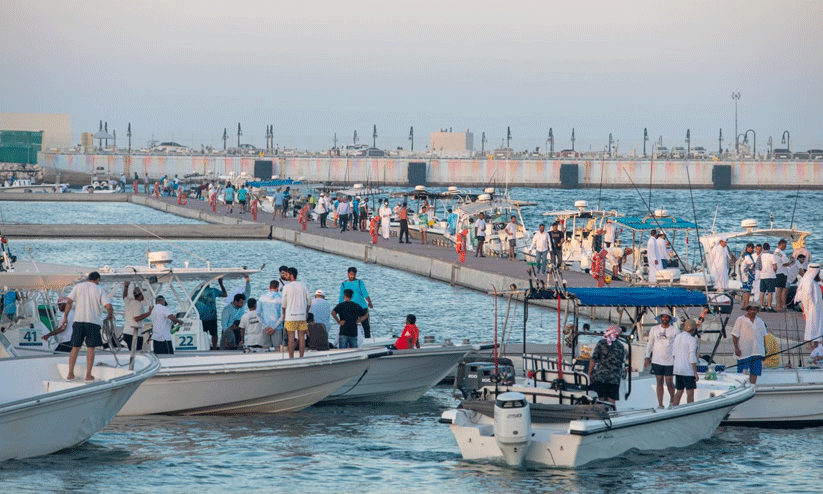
186,341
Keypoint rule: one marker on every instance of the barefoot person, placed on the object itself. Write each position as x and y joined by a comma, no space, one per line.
88,299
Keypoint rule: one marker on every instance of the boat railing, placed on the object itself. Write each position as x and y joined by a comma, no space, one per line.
545,369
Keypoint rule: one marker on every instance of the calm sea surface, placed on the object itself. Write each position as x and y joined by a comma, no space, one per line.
395,448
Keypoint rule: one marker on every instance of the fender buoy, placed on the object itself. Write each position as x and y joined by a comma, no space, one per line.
254,209
157,190
134,186
182,199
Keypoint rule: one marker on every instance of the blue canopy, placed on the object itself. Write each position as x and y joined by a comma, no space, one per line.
653,223
273,183
638,297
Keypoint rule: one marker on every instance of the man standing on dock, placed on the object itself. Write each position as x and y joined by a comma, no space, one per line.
385,220
511,233
343,211
88,299
557,238
540,244
403,216
480,234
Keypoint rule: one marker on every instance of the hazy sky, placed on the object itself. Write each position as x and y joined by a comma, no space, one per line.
186,69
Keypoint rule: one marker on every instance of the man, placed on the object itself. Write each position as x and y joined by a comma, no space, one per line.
278,204
321,308
809,295
318,334
606,366
610,235
88,299
540,244
403,216
781,278
233,312
242,196
480,234
768,277
747,272
146,182
663,249
556,239
617,256
385,220
64,338
229,197
161,319
659,354
355,213
321,211
206,306
360,296
796,271
343,211
348,315
251,328
758,265
685,363
720,264
423,221
451,219
749,335
295,309
270,312
653,255
135,313
511,233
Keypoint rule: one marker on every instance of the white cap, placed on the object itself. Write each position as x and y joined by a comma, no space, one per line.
320,292
723,239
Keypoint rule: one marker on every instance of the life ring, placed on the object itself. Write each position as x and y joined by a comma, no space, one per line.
182,199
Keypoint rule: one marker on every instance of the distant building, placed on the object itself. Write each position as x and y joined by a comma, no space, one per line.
452,143
56,128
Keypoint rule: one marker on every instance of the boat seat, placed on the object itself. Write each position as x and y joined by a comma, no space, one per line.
545,413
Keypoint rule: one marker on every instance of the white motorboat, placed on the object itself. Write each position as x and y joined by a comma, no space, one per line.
531,423
26,186
41,412
234,382
102,187
404,375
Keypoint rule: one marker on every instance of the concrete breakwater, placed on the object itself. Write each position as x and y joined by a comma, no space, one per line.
565,173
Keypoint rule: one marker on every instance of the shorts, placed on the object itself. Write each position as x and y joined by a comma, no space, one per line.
512,243
754,365
229,202
242,202
292,326
662,370
781,281
210,327
163,347
685,382
64,347
88,332
767,285
606,390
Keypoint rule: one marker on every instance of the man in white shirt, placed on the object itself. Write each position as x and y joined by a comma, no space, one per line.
768,277
270,312
511,233
385,219
321,308
63,333
480,234
87,299
685,362
720,264
135,313
660,355
343,210
653,257
540,244
616,256
251,328
610,235
749,335
161,319
781,284
295,311
663,249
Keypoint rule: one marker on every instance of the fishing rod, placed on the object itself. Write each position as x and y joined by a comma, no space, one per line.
796,197
697,232
600,193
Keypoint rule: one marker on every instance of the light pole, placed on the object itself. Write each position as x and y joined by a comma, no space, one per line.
225,138
610,144
720,143
754,141
374,137
688,143
354,139
411,137
787,140
572,139
770,148
551,143
645,139
128,133
508,140
239,133
736,98
483,144
335,141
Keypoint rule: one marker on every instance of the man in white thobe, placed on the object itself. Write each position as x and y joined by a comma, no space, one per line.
808,294
385,219
654,258
720,265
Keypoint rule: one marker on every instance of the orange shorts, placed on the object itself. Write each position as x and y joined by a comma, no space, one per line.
292,326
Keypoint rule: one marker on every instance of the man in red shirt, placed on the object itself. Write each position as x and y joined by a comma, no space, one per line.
411,335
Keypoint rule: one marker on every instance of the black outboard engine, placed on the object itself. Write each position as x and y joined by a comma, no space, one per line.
476,371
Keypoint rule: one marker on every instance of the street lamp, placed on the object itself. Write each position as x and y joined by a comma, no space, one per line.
551,142
225,138
508,140
572,139
770,148
720,143
736,98
688,143
645,139
239,133
754,142
374,137
483,144
787,140
354,139
411,137
610,144
128,133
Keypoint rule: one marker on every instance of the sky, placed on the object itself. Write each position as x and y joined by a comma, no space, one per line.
185,70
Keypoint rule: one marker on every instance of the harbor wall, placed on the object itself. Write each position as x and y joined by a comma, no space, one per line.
566,173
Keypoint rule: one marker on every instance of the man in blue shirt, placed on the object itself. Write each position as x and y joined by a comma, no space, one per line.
360,296
207,307
229,197
452,220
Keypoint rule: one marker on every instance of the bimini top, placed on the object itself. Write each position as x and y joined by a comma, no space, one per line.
638,297
645,223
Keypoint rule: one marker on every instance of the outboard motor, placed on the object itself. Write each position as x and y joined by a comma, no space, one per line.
512,426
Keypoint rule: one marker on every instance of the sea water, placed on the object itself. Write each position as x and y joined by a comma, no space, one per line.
401,447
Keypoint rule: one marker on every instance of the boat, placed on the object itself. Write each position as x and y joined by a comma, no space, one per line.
403,375
102,187
25,185
550,419
41,412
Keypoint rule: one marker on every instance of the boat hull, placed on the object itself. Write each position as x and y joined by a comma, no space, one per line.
68,413
211,383
783,398
404,376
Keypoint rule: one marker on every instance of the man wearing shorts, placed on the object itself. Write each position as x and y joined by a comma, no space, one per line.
88,299
768,277
511,232
685,363
659,354
749,335
296,301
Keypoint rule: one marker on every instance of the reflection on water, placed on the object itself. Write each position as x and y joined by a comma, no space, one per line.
86,213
